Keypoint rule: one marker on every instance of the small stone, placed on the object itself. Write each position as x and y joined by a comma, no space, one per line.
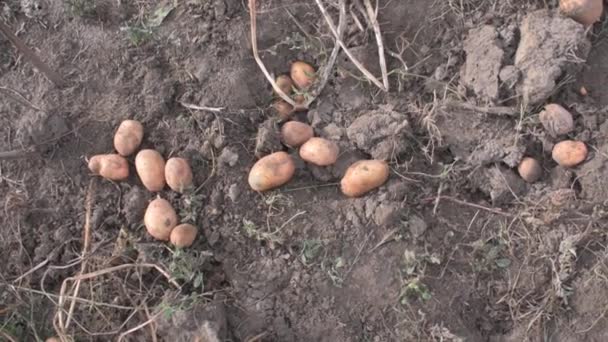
386,214
228,157
417,226
233,192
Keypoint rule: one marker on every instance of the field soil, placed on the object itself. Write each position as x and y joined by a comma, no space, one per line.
454,247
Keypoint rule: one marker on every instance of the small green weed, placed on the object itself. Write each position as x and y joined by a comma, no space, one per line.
186,266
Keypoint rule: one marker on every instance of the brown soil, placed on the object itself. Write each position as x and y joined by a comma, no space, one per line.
454,247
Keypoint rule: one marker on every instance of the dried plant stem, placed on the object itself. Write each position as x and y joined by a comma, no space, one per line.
372,16
358,64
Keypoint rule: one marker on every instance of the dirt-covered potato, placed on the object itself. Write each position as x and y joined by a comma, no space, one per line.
128,137
178,174
283,109
160,219
529,169
302,74
183,235
285,84
294,133
569,153
319,151
556,120
364,176
271,171
585,12
150,167
109,166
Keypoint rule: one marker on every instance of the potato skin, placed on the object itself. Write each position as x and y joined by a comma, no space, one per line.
150,167
183,235
160,219
284,110
271,171
569,153
586,12
178,174
128,137
109,166
364,176
295,133
302,74
319,151
529,169
285,83
556,120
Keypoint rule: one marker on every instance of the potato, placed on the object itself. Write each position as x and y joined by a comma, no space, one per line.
283,109
364,176
529,169
109,166
294,133
178,174
271,171
585,12
183,235
285,84
128,137
556,119
300,99
160,219
302,74
319,151
569,153
150,167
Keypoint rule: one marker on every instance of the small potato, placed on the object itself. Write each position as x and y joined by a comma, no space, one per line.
178,174
109,166
285,84
302,74
183,235
364,176
569,153
294,133
150,167
319,151
271,171
529,169
556,119
284,110
586,12
160,218
128,137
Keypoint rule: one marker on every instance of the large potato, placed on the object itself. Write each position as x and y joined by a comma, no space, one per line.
150,167
569,153
183,235
585,12
529,169
178,174
302,74
556,120
271,171
128,137
160,219
319,151
109,166
294,133
364,176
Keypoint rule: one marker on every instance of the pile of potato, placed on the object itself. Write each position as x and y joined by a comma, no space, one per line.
278,168
557,122
160,218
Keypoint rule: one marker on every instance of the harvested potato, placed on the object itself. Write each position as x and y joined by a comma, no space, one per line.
300,100
294,133
285,84
178,174
302,74
183,235
529,169
319,151
586,12
109,166
128,137
556,119
160,218
271,171
283,109
150,167
569,153
364,176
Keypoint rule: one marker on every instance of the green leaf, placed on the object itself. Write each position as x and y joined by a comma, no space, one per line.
159,15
